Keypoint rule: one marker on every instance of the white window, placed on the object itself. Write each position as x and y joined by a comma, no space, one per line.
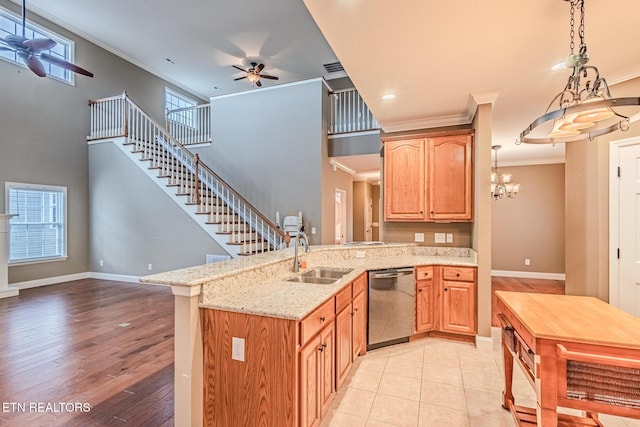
175,101
11,23
38,233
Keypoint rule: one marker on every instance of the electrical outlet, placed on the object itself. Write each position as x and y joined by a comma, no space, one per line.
150,267
360,254
527,261
449,237
313,230
440,238
237,349
101,263
419,237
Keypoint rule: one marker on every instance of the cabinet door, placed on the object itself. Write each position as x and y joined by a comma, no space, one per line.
424,305
327,368
310,356
343,344
450,168
459,307
359,325
404,180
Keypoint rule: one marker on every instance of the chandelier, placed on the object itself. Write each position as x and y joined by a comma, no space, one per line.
585,107
501,185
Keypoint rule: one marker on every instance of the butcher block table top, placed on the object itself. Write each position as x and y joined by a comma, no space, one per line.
573,319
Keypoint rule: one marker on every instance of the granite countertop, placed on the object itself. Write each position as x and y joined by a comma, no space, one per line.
258,284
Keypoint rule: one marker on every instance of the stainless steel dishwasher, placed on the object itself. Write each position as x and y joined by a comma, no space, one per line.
391,306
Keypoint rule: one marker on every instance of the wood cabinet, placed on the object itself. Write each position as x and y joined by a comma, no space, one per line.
317,371
446,299
350,326
424,299
450,167
458,300
404,180
428,177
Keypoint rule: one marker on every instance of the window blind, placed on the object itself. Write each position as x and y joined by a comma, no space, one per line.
38,232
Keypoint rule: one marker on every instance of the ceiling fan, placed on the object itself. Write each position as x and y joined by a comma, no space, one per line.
253,74
32,51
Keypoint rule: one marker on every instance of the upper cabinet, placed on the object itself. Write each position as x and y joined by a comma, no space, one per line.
428,177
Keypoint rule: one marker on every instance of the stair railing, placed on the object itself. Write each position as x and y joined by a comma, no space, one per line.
349,113
120,116
190,125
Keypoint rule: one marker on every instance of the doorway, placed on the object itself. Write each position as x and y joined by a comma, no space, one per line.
340,217
624,225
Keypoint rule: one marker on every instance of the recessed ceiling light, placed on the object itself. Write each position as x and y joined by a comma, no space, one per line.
388,96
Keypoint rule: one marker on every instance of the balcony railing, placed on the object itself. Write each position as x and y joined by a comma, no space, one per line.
349,113
190,125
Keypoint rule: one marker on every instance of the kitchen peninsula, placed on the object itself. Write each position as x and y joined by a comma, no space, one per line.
249,326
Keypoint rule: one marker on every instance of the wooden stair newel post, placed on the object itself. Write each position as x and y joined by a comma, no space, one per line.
5,290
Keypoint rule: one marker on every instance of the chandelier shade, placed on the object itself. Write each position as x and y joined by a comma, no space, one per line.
585,108
501,185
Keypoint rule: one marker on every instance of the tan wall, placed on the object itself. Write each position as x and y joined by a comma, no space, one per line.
587,208
359,189
532,224
375,191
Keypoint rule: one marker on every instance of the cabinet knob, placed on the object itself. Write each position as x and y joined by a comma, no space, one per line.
321,349
322,318
446,289
420,290
457,274
421,212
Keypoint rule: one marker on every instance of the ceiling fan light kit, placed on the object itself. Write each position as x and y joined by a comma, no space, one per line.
585,107
254,74
33,51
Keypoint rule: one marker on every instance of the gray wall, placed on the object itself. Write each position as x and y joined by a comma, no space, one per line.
44,126
139,223
268,144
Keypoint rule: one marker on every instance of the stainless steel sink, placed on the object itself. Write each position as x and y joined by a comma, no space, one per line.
321,275
324,272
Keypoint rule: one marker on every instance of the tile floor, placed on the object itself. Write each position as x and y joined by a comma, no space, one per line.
432,382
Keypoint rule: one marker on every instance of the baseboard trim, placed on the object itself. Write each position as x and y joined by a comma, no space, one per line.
115,277
528,274
50,281
484,343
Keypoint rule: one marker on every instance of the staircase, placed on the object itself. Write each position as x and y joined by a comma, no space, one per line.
223,213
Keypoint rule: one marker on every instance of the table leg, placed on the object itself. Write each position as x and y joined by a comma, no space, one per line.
507,395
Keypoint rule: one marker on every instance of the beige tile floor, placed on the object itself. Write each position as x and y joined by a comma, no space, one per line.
432,382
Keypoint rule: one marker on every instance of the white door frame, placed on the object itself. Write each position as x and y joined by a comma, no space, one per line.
614,216
343,214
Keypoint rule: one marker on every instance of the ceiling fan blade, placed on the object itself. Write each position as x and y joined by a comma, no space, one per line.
33,64
38,45
269,77
241,69
7,49
64,64
240,78
259,68
258,83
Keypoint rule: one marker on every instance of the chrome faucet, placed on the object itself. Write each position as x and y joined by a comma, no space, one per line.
305,242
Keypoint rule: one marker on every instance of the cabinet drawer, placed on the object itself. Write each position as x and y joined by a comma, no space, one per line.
343,298
424,273
320,317
360,284
461,274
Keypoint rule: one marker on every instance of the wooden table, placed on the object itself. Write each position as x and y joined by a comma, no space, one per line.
578,352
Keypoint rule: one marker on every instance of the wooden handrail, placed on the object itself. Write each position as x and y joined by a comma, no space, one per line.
563,353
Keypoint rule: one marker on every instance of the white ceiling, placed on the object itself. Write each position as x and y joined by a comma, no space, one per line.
435,56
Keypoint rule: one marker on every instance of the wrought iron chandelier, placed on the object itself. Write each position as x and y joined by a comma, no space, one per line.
501,185
586,108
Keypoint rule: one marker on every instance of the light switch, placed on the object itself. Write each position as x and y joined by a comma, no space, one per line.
440,238
313,230
237,349
419,237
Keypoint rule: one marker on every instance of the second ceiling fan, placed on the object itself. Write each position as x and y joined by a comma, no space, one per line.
253,74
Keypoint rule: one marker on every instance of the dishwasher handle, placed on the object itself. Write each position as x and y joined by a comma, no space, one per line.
390,274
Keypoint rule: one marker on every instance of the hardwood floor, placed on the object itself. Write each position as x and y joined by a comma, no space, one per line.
515,284
102,343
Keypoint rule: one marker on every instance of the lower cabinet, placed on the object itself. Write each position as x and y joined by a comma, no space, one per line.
317,373
446,299
351,326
